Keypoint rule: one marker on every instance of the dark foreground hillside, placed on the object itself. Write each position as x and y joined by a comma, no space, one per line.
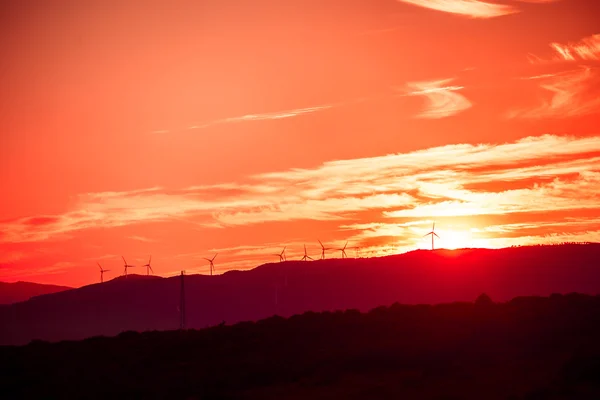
528,348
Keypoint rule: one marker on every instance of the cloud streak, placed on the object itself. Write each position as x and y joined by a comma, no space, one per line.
266,116
545,174
572,92
586,49
443,101
468,8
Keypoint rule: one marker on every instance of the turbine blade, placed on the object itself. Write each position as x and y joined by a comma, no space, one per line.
215,256
435,234
124,260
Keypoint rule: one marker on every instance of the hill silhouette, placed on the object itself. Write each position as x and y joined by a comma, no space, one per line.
293,287
21,291
135,277
530,348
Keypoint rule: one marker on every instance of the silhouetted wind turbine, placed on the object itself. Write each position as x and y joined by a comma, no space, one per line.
102,271
149,267
306,256
343,250
323,248
212,265
126,266
432,233
281,255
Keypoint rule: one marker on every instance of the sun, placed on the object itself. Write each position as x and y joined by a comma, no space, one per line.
454,239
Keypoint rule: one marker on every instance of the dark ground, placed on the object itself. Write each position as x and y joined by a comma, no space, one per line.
528,348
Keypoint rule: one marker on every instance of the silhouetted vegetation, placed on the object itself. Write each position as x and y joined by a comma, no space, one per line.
527,348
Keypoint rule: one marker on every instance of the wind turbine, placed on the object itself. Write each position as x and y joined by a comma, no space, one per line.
126,266
212,265
281,255
323,248
306,256
149,267
432,233
102,271
343,250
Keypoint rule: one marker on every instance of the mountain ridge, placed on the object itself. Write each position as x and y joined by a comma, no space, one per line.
14,292
294,287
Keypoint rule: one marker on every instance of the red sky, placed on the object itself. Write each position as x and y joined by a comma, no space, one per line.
186,128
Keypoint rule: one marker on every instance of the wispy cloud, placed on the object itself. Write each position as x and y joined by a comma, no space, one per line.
572,93
141,239
534,175
585,50
265,116
468,8
443,101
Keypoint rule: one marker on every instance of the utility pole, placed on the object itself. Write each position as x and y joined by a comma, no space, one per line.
182,304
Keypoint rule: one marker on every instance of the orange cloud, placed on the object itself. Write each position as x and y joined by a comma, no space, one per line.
573,93
469,8
266,116
558,173
443,101
587,48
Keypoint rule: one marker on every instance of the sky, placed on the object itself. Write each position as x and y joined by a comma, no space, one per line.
184,129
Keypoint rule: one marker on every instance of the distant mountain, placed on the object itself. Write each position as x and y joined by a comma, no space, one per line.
294,287
132,277
21,291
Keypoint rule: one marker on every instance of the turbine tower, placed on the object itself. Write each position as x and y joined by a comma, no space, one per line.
432,233
281,255
343,250
212,265
102,271
149,267
126,266
323,248
306,256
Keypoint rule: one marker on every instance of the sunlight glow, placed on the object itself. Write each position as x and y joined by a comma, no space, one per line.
454,239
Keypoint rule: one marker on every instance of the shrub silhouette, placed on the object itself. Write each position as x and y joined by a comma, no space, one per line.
483,300
533,347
